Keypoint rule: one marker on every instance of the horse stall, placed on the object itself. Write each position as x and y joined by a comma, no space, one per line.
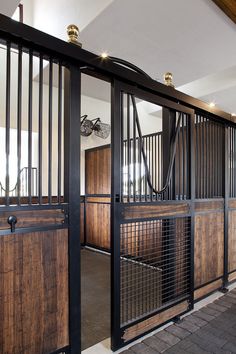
149,211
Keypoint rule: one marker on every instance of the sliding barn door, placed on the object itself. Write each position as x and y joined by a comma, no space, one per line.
152,226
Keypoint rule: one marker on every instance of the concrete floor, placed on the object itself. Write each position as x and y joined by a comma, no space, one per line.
95,297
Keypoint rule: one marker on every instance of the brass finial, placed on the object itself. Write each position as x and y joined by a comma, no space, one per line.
168,79
73,35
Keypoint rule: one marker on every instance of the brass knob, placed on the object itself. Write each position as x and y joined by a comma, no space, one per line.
168,79
73,35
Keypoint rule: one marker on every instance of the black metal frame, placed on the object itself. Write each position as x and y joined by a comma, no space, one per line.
117,206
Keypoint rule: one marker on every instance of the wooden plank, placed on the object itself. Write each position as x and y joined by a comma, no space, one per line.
228,7
232,241
32,218
232,276
208,247
155,211
232,204
98,225
209,205
154,321
34,292
82,221
209,288
98,199
98,171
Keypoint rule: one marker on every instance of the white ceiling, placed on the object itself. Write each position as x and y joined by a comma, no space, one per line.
8,7
192,39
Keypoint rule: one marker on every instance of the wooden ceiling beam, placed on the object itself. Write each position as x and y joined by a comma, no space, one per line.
228,7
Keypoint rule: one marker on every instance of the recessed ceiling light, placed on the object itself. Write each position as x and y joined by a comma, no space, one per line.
104,55
212,104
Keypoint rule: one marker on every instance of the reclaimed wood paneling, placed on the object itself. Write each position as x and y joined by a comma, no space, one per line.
82,221
152,322
208,247
34,292
33,218
232,203
155,211
232,241
98,225
209,205
232,276
207,289
101,199
98,171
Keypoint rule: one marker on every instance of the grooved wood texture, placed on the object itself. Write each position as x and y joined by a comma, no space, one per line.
34,292
207,289
209,205
98,171
154,211
154,321
98,224
232,241
33,218
208,247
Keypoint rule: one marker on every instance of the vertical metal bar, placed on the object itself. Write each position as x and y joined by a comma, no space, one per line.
19,122
179,163
40,128
203,159
140,167
192,192
156,162
122,147
134,155
115,215
72,97
226,208
50,132
30,99
145,180
183,154
59,140
187,148
128,144
197,157
233,157
149,166
8,123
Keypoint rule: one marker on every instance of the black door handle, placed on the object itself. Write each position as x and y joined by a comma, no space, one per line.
12,220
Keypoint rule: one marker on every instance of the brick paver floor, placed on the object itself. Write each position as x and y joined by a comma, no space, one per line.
212,329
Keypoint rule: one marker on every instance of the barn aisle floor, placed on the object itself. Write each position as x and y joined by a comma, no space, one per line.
95,297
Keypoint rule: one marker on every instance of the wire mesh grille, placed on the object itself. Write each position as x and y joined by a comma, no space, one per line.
154,265
209,157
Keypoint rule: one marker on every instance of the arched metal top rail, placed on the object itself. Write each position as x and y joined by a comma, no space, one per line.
69,54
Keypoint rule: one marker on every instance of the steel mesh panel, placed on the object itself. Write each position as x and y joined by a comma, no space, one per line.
154,266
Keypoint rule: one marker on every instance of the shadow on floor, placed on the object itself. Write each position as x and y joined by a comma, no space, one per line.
95,297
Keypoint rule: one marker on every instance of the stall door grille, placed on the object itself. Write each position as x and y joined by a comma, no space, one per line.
154,266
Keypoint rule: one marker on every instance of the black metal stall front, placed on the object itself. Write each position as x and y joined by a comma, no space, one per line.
153,205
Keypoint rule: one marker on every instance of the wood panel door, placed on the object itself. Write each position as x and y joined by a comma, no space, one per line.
40,220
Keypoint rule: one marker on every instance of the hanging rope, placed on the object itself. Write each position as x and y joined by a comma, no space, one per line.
173,152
